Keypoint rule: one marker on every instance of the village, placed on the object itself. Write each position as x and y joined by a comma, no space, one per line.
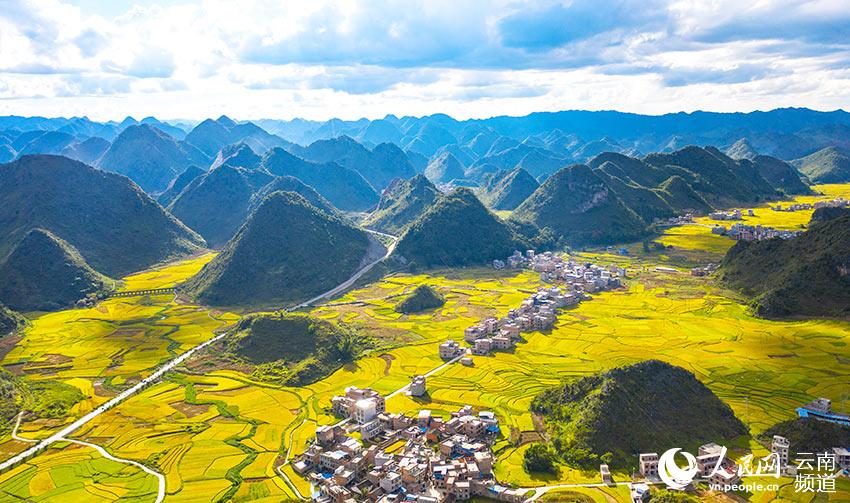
833,203
741,232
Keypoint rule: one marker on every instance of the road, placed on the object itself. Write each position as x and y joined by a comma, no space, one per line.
61,435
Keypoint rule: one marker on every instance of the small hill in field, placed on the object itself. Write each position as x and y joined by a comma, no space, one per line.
457,230
805,276
288,250
402,203
505,190
649,406
295,349
44,273
423,298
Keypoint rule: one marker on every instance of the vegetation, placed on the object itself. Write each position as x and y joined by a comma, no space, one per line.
292,184
667,496
805,276
647,406
50,399
540,458
296,349
827,213
423,298
402,203
809,435
444,168
505,190
178,184
115,226
287,250
10,321
216,204
44,273
781,175
829,165
457,231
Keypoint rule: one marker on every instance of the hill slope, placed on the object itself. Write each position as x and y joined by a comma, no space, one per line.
44,273
805,276
178,184
423,298
217,204
292,184
506,190
295,349
116,227
829,165
444,168
650,406
286,251
781,175
577,205
402,203
10,321
457,230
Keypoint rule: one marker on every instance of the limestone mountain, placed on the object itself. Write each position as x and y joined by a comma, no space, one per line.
829,165
210,136
402,203
116,227
742,149
238,155
505,190
649,406
147,156
457,230
781,175
444,169
343,187
45,273
51,142
216,204
423,298
10,321
292,184
805,276
178,184
288,250
577,205
88,151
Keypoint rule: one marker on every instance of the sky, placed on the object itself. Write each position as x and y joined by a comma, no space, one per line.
317,59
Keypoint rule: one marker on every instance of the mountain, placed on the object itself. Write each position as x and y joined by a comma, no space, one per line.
444,169
10,321
147,156
830,165
45,273
210,136
577,205
821,215
51,142
238,155
216,204
742,149
805,276
809,435
286,251
649,406
7,153
676,192
116,227
88,151
292,184
343,187
780,175
423,298
294,349
506,190
178,184
402,203
457,230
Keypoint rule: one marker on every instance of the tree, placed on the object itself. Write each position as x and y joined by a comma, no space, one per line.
540,458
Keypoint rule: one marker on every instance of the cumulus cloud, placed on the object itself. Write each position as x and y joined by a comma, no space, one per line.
469,57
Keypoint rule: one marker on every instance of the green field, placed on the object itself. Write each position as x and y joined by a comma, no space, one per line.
217,433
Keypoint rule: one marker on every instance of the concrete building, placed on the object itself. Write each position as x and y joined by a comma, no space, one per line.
417,386
649,465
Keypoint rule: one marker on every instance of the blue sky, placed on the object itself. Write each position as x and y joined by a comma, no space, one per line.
320,59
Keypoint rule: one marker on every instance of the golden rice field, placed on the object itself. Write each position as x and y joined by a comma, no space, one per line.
222,434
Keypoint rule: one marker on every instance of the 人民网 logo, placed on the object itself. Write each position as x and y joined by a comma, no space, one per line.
672,474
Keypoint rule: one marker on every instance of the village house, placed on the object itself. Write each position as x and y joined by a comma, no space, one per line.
417,386
649,465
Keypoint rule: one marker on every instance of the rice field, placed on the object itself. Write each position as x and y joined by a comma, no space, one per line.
221,434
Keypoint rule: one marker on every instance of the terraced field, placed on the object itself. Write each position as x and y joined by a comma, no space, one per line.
218,433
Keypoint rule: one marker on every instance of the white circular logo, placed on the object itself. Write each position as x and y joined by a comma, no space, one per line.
670,472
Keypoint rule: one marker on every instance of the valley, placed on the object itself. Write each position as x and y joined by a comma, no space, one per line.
222,433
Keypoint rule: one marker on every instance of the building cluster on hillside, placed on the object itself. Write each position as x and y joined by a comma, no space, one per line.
832,203
440,460
687,218
705,270
821,410
741,232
